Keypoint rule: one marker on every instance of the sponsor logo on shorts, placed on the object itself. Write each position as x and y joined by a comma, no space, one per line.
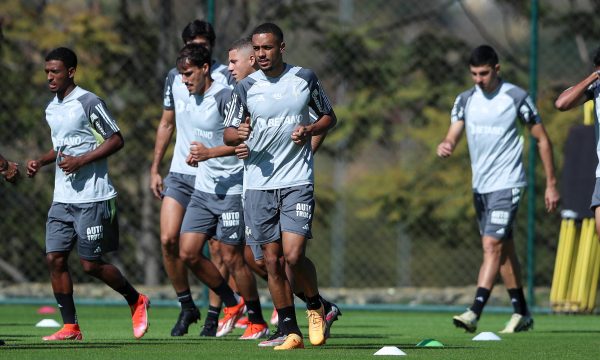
304,210
306,227
231,218
95,233
233,236
248,231
499,217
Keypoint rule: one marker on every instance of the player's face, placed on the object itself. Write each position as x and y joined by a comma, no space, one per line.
485,76
58,76
201,40
269,52
194,77
241,64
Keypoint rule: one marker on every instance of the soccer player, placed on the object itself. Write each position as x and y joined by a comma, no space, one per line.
587,89
83,212
278,175
9,170
489,113
242,63
178,186
215,208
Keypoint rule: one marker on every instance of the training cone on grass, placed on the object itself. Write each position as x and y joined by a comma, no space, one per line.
47,323
486,336
390,350
430,343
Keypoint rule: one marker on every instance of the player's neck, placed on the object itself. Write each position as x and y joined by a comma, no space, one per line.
275,71
63,94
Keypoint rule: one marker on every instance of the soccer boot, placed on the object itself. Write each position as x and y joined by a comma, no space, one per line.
255,331
332,312
68,332
292,341
466,320
231,316
209,329
316,326
276,339
274,317
185,319
139,316
242,323
518,323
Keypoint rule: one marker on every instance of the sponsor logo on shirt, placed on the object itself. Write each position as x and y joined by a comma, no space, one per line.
285,120
199,133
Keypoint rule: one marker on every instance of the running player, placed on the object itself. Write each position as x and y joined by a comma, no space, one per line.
278,178
488,112
178,186
83,211
242,63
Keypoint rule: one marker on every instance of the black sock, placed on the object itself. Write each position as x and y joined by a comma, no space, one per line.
186,300
517,298
67,307
481,297
301,296
255,312
226,294
287,321
326,304
129,293
213,313
313,302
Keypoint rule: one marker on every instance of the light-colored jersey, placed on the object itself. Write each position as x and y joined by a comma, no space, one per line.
222,175
276,107
176,97
494,136
79,124
593,93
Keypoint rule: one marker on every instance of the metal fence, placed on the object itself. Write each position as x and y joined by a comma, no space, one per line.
389,212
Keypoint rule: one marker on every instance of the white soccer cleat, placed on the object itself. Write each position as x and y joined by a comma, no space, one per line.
518,323
466,320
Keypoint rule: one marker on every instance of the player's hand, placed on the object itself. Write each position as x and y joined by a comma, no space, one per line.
199,152
551,197
244,129
242,151
69,164
11,174
190,161
445,149
33,166
156,184
301,134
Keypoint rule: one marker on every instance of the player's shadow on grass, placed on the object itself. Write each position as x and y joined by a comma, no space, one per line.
339,335
582,331
379,346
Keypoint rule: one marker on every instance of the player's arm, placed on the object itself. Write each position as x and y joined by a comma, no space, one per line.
199,152
576,95
71,164
164,133
33,166
9,170
316,141
551,195
447,146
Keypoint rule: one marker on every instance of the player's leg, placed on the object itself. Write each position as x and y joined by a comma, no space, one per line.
214,301
97,230
60,236
178,190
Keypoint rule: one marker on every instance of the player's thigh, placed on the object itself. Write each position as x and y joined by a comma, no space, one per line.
261,216
60,232
500,213
97,228
297,210
171,217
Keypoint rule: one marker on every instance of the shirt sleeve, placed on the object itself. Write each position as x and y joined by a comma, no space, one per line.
458,109
528,111
319,102
237,107
168,100
102,120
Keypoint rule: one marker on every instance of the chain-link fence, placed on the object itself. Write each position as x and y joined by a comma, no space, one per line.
389,212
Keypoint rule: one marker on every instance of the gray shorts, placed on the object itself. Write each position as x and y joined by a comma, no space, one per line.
218,216
268,213
596,196
179,187
257,252
93,226
496,212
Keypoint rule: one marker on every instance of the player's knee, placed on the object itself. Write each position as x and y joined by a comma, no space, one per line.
294,258
189,257
90,267
170,244
56,261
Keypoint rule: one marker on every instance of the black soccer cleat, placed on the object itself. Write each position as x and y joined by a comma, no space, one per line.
209,329
185,319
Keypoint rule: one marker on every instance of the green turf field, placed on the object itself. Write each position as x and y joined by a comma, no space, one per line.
357,335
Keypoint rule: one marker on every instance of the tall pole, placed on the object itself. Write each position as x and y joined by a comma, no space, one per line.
533,69
210,12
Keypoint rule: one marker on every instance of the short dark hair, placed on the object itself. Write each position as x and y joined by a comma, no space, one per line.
242,43
198,28
66,55
483,55
194,54
269,28
597,57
